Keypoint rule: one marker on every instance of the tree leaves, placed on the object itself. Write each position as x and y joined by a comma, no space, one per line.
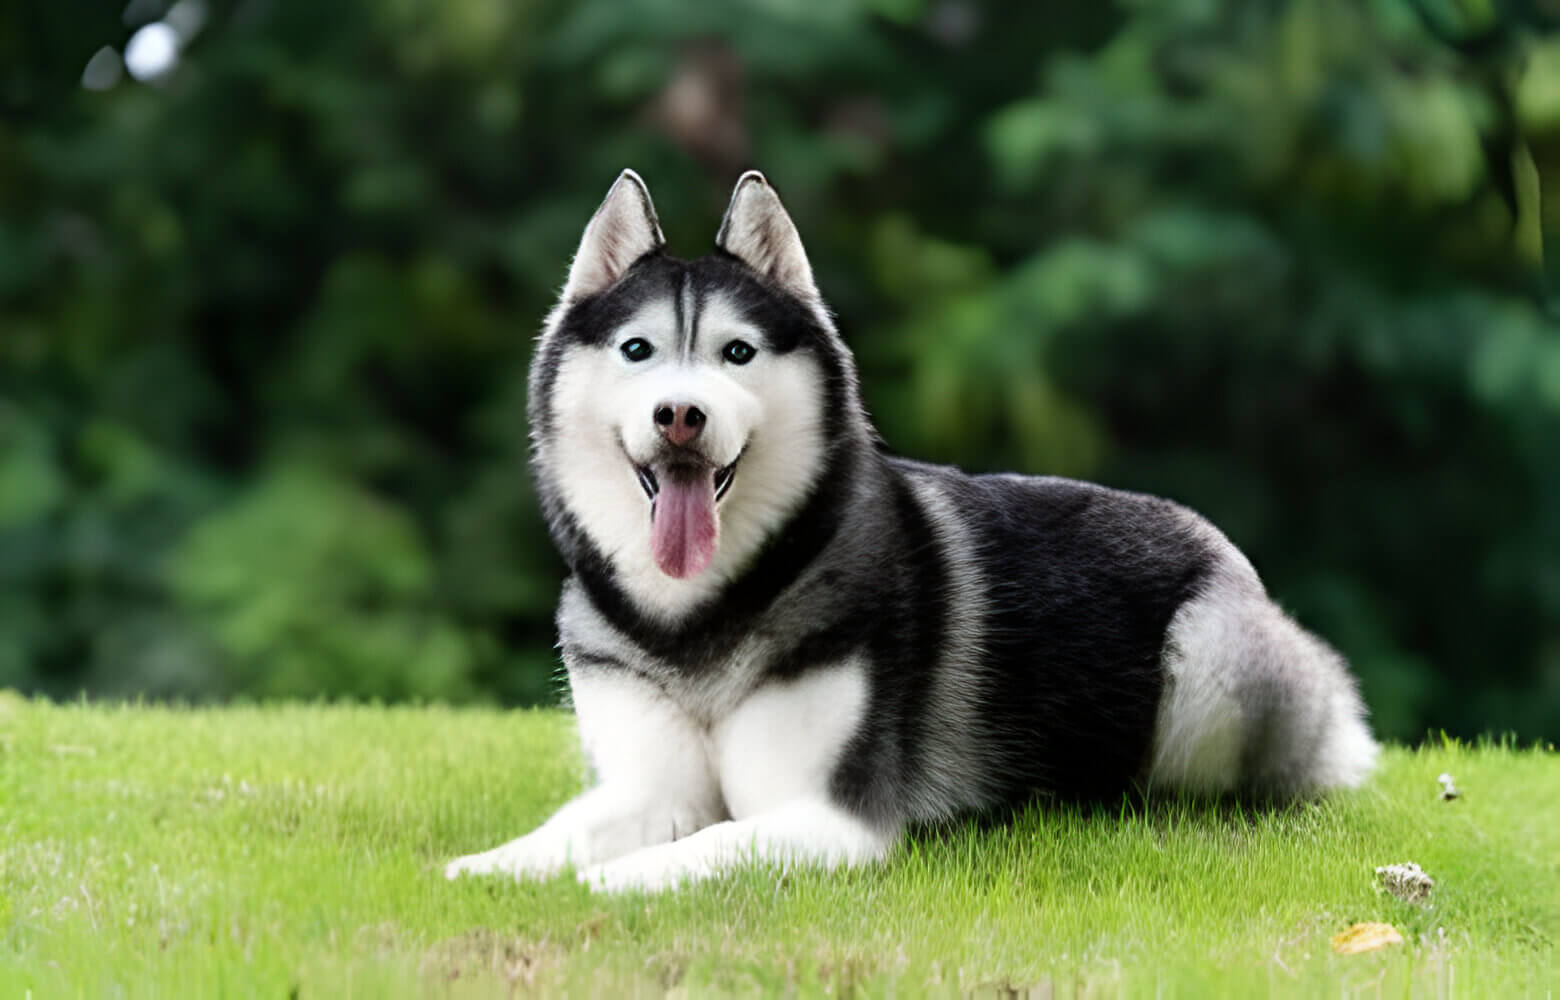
1284,262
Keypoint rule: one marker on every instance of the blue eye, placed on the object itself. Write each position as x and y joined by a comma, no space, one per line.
637,349
738,352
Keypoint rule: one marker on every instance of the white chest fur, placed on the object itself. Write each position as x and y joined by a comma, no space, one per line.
784,741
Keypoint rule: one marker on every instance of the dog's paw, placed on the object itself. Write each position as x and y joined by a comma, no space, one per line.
620,877
486,863
528,857
654,869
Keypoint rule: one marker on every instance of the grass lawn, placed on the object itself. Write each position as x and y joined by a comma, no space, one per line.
296,850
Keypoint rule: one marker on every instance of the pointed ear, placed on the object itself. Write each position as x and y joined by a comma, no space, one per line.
758,232
623,230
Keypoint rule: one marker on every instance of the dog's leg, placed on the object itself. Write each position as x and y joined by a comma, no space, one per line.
777,753
808,831
655,783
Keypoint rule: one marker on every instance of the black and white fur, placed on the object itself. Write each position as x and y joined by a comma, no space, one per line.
876,642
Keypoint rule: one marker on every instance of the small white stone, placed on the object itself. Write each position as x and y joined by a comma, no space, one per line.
1406,881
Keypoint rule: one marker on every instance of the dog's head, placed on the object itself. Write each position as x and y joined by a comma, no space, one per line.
681,411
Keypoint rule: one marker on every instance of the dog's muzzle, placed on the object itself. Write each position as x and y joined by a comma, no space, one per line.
652,485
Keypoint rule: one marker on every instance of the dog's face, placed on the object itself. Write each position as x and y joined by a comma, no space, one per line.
680,409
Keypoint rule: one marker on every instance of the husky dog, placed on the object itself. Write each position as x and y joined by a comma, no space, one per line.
785,644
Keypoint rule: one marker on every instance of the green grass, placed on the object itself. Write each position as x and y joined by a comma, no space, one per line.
297,850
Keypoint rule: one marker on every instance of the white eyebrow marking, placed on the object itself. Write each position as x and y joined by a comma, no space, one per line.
685,313
718,313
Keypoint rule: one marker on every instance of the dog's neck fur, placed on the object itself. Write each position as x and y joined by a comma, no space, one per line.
709,631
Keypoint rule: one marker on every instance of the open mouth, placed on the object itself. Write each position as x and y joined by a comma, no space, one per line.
722,479
684,527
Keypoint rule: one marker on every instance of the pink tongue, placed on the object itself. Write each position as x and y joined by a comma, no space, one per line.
682,524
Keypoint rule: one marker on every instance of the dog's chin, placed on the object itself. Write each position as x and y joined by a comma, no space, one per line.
684,494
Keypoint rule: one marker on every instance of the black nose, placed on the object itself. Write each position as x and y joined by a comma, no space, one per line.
679,423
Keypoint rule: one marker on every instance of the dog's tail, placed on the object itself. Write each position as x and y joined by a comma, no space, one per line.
1254,703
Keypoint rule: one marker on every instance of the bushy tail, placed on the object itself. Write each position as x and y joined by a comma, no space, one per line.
1255,703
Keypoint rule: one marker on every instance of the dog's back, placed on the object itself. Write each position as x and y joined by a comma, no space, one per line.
1112,638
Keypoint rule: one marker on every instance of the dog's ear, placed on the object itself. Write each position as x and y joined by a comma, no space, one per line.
623,230
758,232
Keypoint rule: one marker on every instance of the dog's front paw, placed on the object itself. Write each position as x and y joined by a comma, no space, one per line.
654,869
620,876
532,856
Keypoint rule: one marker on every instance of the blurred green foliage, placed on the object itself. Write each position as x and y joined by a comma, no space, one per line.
264,322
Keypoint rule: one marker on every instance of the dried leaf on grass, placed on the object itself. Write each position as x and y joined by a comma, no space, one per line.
1366,937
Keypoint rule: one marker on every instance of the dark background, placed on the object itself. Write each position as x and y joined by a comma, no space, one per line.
264,319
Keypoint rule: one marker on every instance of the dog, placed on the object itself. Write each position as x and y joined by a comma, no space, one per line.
787,645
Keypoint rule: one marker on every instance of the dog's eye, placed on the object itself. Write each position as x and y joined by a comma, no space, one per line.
738,352
637,349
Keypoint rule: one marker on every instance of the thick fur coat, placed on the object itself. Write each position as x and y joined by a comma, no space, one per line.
786,644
